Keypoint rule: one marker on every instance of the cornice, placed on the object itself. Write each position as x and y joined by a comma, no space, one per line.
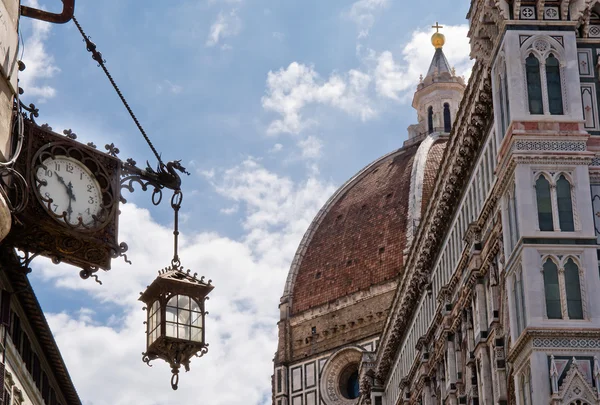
475,115
524,342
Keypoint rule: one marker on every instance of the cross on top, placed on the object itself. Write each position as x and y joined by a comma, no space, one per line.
437,26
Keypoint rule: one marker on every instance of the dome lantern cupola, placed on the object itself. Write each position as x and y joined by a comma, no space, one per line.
438,94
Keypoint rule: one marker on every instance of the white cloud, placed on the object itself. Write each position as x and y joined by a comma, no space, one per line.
397,80
248,274
362,12
291,89
280,36
276,148
39,64
359,93
230,210
226,25
311,147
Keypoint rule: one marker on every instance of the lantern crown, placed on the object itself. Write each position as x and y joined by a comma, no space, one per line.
173,280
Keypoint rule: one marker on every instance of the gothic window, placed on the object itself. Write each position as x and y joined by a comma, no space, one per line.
573,290
526,387
565,205
544,203
534,85
430,120
501,97
519,298
502,89
506,99
552,290
555,101
447,119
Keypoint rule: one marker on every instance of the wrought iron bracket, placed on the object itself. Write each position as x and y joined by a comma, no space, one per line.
165,176
64,17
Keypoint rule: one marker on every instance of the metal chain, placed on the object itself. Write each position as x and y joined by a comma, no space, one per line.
176,205
97,56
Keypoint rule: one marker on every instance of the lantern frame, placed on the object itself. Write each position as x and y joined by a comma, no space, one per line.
171,282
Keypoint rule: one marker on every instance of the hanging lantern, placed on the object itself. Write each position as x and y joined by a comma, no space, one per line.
175,308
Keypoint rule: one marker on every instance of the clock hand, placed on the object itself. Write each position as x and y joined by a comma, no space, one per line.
60,179
69,187
70,192
69,210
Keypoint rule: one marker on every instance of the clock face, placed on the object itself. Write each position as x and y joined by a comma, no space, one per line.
75,193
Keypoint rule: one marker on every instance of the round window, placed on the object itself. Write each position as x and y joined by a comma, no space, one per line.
348,383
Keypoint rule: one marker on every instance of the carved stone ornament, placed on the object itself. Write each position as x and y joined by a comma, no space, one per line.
575,387
334,371
41,229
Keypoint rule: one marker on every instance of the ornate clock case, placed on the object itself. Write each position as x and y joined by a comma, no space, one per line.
38,230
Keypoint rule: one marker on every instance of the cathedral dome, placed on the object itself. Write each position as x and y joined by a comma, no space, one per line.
358,238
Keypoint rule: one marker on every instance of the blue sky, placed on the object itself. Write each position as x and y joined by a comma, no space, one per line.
271,105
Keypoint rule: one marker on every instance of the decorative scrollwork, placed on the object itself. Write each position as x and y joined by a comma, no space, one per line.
112,149
70,134
146,359
25,261
90,272
33,111
165,176
120,252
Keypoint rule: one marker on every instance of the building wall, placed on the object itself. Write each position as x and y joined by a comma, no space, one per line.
9,46
481,331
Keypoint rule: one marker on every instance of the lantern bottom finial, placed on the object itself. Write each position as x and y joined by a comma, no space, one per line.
175,379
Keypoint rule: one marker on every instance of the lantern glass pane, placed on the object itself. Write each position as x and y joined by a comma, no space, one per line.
171,329
183,316
153,322
196,334
183,302
197,319
184,332
171,314
182,313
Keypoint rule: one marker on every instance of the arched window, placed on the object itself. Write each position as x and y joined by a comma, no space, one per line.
534,85
506,99
565,205
519,301
573,290
430,120
447,123
526,387
552,290
501,96
555,101
544,203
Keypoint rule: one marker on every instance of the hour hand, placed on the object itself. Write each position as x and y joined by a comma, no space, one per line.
60,179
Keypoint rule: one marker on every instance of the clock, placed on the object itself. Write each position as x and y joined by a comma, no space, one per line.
73,197
69,191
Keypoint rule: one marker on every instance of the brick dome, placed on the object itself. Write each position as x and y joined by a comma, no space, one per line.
358,238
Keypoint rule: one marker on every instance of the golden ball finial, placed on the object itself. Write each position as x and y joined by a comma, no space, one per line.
438,40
